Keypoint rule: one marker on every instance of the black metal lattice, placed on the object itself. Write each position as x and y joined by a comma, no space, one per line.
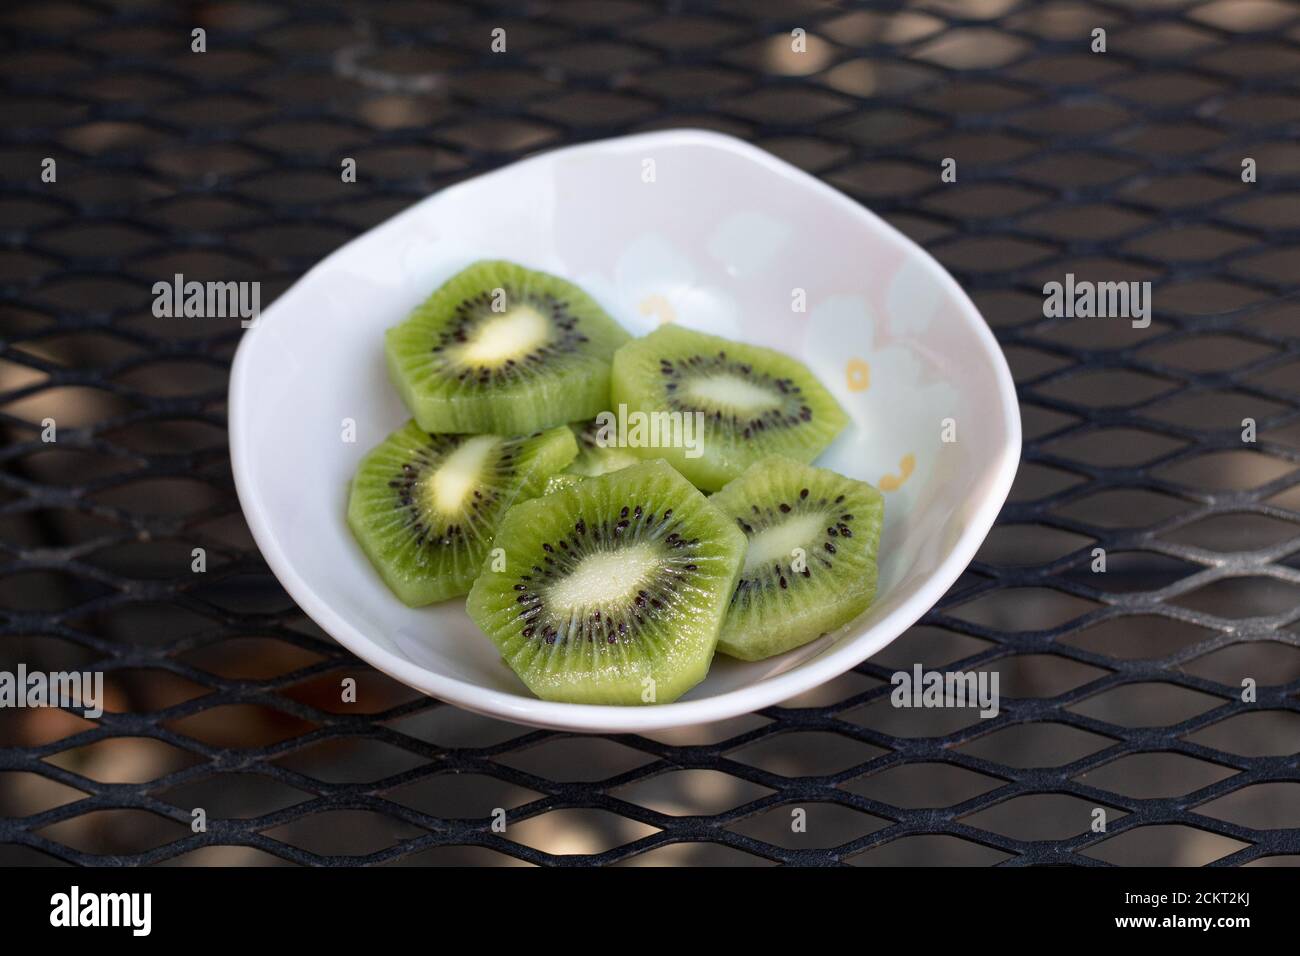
1121,691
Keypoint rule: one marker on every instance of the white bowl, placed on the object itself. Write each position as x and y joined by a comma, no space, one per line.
684,226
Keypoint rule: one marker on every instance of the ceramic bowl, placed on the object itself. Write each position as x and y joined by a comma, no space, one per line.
679,226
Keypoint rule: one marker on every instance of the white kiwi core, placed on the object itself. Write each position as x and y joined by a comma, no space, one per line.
513,333
729,391
460,472
775,545
606,577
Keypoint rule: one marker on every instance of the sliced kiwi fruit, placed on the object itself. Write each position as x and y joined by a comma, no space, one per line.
811,562
754,402
425,507
613,590
595,457
597,452
504,350
561,481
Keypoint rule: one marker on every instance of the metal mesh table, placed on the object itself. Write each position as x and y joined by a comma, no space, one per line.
1121,691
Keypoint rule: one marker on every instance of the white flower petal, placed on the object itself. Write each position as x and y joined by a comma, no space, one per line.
607,294
650,262
840,320
896,443
707,309
746,242
913,300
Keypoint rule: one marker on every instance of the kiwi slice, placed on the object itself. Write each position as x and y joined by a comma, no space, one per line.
754,401
503,349
560,482
594,458
811,563
597,455
613,590
425,507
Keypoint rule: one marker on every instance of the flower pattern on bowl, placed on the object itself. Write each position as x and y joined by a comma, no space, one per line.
897,412
654,283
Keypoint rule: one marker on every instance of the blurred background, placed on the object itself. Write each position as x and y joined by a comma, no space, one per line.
1120,691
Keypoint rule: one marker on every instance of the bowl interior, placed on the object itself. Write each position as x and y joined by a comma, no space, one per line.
684,227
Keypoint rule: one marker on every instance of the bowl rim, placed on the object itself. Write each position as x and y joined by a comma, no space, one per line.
608,718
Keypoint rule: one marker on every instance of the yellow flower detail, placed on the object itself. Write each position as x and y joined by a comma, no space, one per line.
659,307
905,468
858,374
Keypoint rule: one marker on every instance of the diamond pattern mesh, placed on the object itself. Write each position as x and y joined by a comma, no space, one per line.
1121,691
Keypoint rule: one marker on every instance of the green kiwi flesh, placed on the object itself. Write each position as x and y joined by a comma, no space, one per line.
502,349
561,481
597,454
611,591
754,401
810,566
425,507
594,458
